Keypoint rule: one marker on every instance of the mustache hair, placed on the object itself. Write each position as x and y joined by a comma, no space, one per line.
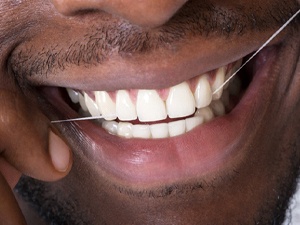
194,19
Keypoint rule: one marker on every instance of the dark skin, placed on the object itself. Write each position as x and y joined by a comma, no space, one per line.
154,45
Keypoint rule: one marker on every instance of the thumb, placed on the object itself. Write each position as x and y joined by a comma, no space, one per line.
28,141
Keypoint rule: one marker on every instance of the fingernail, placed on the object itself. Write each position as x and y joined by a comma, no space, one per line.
59,152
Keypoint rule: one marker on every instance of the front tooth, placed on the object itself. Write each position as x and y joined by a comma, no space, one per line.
160,130
141,131
203,93
193,122
180,101
74,95
176,128
105,104
125,130
82,102
91,105
219,80
150,107
125,109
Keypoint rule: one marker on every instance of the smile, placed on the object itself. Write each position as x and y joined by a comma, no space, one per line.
161,113
173,132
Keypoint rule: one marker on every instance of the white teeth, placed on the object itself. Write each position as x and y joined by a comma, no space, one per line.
125,109
176,128
206,113
193,122
141,131
125,130
160,130
106,106
203,93
219,80
110,126
91,105
82,103
74,95
180,102
150,107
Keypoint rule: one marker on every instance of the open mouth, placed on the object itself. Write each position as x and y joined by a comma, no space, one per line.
154,114
175,133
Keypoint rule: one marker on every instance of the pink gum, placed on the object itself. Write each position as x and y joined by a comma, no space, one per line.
163,93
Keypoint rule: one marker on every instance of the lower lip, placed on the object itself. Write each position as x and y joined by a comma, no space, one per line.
204,151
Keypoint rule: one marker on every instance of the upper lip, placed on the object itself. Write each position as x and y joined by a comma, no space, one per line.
150,71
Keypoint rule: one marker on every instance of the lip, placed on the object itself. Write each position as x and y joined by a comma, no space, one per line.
137,71
207,150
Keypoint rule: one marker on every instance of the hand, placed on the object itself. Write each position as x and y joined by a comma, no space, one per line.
27,146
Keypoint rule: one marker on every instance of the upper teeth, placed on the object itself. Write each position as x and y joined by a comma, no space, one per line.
150,106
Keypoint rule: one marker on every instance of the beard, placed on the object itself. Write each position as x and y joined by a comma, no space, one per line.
57,206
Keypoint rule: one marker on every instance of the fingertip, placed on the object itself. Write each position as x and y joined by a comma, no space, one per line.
60,153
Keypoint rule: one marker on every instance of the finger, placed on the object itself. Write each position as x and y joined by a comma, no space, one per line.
28,142
10,213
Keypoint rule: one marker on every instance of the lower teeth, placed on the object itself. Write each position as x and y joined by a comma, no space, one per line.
159,130
164,130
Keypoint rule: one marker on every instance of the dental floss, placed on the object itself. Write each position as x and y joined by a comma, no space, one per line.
79,119
219,88
264,45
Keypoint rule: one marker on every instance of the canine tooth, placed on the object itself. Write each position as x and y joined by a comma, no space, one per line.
191,123
141,131
105,104
125,109
219,80
180,101
125,130
203,93
206,113
110,126
218,108
74,95
150,107
82,102
91,105
160,130
176,128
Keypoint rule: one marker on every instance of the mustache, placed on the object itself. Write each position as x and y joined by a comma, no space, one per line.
195,19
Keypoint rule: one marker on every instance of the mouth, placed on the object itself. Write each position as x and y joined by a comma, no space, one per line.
169,112
150,136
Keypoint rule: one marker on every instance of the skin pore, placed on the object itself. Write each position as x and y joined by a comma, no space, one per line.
252,152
